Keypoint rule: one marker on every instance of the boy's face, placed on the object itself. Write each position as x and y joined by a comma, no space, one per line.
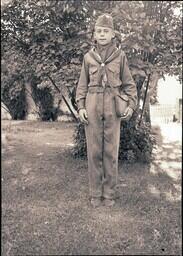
103,35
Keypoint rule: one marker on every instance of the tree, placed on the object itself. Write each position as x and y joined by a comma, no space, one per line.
151,38
52,36
43,32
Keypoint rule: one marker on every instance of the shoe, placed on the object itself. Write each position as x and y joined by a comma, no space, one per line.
96,202
109,202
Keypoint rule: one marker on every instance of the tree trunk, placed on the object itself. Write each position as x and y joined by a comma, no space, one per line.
153,82
32,111
147,116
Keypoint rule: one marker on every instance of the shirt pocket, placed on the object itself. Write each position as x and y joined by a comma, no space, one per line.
93,71
114,74
114,71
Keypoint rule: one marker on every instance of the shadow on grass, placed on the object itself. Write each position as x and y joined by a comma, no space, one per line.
46,211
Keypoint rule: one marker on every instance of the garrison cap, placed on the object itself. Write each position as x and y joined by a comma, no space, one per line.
105,20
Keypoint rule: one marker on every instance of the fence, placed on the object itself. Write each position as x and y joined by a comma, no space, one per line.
164,113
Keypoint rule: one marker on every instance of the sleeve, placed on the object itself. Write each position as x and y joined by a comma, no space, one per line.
82,87
128,84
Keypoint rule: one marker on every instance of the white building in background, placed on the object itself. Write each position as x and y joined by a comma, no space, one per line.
169,107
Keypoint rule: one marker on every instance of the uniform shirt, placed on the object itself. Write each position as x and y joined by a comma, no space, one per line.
117,71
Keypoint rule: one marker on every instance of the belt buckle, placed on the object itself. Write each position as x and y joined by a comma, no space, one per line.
103,84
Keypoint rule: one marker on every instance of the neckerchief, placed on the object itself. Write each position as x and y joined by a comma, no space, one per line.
105,50
111,52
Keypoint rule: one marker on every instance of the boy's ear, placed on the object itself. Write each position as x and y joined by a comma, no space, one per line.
113,34
94,35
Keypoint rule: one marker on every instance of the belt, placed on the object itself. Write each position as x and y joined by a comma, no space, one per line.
100,89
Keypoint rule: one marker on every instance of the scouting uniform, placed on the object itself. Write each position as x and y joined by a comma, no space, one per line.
102,68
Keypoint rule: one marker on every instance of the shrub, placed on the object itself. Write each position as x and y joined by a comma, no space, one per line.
136,142
13,96
80,148
44,99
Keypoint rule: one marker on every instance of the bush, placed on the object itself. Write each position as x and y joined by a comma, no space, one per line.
13,96
44,99
136,142
80,148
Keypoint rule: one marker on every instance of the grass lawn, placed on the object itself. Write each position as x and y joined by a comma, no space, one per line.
45,204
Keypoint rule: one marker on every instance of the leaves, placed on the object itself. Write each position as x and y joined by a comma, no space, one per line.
51,37
140,72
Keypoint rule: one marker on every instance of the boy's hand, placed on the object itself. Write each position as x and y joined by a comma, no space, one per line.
83,116
128,114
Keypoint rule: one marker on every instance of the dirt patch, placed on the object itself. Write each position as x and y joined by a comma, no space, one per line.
45,206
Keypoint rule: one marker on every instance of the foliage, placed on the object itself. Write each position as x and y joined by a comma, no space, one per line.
52,37
136,142
44,100
80,148
12,86
43,31
151,35
13,96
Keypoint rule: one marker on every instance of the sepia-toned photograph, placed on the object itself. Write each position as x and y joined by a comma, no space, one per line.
91,127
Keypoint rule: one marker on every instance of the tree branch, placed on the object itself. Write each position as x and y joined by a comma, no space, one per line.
5,108
145,96
62,97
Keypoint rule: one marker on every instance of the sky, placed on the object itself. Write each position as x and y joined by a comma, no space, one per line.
169,90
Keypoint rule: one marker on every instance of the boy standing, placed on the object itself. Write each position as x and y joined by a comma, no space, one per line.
104,66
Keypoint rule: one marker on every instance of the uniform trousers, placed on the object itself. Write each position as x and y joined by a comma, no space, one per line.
102,136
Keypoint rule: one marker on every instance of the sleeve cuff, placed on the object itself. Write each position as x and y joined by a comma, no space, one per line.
81,104
132,106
